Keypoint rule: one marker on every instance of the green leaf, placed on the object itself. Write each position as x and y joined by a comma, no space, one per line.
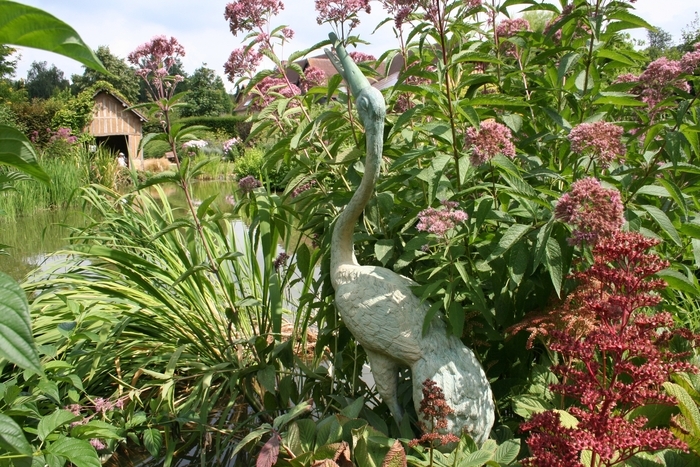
50,422
353,410
623,101
18,152
153,441
512,235
78,451
507,451
266,377
678,281
16,341
383,250
31,27
555,264
664,222
297,411
12,438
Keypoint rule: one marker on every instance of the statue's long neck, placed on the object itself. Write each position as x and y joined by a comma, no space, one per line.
342,251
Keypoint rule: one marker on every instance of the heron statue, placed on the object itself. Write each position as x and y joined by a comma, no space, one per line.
379,307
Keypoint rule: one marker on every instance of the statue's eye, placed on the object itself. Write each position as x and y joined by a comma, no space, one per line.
362,103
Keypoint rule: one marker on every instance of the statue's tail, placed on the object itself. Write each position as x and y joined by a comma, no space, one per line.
459,374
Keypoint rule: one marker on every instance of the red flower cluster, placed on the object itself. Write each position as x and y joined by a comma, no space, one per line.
594,212
491,139
341,11
433,410
617,367
246,15
600,140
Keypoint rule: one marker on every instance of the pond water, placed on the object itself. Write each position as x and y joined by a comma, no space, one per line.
32,238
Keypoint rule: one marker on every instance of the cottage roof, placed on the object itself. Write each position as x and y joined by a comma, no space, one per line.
121,100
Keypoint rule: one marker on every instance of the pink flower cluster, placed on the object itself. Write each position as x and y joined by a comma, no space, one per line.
691,60
472,3
341,11
269,88
360,57
63,134
154,59
246,15
248,184
657,82
231,143
617,367
280,261
313,76
242,63
491,139
400,10
600,140
302,188
594,212
510,27
440,221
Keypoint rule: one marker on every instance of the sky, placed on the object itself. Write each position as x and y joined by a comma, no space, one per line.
199,25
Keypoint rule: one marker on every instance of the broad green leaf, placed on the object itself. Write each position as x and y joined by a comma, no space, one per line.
50,422
353,410
555,264
253,436
615,56
475,459
12,438
383,250
507,451
153,441
31,27
78,451
18,152
664,222
678,281
295,412
512,235
16,340
266,377
623,101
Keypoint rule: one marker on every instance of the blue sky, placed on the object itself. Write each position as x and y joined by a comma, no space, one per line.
200,26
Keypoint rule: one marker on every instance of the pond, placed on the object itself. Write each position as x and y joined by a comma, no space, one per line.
32,238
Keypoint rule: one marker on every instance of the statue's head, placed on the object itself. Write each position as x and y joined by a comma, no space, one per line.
370,101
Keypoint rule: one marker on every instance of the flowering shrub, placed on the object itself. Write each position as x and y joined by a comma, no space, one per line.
617,367
594,212
153,60
440,221
489,140
600,140
248,184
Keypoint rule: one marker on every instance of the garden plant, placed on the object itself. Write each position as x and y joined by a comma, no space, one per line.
537,183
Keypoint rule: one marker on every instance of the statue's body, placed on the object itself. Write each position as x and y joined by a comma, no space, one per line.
380,309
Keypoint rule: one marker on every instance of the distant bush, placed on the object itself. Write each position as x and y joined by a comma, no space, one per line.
253,163
230,124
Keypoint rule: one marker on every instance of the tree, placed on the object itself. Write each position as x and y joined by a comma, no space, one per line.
123,77
43,82
207,95
8,66
660,43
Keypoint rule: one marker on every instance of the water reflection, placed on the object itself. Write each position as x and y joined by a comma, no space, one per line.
33,238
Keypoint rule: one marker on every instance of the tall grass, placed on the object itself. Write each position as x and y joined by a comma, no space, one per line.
134,306
74,169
